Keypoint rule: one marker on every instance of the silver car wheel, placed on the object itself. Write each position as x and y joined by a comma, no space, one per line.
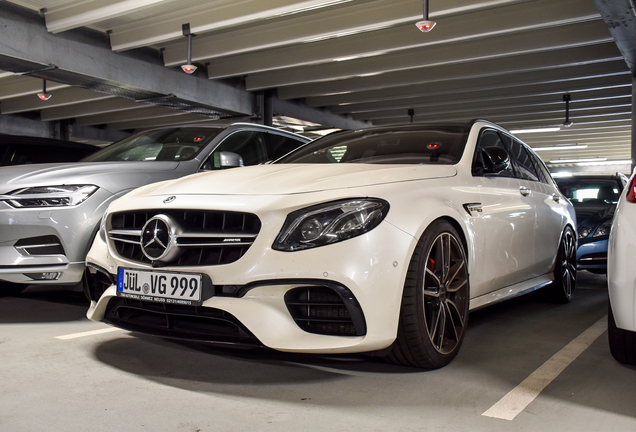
445,293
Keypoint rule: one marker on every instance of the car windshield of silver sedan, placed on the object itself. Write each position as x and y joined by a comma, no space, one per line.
411,145
172,144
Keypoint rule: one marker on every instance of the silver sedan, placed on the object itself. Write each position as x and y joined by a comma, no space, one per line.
50,213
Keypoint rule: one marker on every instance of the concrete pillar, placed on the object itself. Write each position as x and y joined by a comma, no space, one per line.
268,109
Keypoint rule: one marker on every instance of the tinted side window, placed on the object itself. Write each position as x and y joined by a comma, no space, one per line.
250,145
279,145
523,164
542,170
491,148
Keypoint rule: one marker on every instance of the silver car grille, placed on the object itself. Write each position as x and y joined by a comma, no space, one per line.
197,237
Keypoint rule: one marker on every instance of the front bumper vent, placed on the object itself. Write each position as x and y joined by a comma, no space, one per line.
38,246
181,322
326,310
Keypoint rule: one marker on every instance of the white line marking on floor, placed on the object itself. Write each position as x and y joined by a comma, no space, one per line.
521,396
88,333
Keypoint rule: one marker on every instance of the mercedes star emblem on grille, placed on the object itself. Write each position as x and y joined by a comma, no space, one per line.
156,237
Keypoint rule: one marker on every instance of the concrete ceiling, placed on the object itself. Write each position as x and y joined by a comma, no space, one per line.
113,66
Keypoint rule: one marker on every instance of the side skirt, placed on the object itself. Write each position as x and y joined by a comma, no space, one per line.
510,292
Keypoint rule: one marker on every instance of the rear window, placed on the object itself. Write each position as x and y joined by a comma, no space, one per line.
582,191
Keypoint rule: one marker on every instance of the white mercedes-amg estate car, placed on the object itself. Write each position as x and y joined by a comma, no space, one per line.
377,240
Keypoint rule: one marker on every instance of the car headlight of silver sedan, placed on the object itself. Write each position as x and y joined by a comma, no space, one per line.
329,223
49,196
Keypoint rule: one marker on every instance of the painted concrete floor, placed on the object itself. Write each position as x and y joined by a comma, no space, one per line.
117,381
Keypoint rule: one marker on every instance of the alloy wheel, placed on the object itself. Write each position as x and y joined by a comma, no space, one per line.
445,293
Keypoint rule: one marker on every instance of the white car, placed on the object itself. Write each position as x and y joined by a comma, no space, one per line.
378,240
621,278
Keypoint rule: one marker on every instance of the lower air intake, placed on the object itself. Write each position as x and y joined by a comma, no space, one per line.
326,310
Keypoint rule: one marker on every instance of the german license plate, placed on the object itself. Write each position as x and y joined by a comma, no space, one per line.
161,287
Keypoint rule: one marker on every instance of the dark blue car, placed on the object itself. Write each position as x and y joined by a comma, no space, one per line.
594,198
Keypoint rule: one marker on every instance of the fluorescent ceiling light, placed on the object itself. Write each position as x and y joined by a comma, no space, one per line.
347,33
355,57
311,7
609,162
562,174
536,130
560,147
578,160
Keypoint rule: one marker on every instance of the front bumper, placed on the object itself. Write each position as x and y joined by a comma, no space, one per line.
254,301
592,255
48,245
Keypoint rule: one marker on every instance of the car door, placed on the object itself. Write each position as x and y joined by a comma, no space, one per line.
550,208
504,228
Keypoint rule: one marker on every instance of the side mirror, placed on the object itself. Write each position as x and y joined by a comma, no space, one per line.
496,160
230,160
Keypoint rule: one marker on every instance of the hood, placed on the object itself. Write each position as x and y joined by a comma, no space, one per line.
591,216
295,178
113,176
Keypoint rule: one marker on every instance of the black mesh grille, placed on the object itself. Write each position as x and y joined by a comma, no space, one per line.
234,233
181,322
322,310
98,282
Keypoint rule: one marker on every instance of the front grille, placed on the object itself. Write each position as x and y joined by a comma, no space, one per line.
204,237
325,310
43,245
181,322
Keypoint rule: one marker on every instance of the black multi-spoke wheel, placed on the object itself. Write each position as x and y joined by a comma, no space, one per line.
562,289
434,311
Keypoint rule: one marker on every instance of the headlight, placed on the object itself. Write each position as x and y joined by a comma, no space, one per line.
329,223
49,196
603,229
585,231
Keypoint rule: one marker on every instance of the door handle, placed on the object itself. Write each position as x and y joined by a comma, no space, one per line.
524,191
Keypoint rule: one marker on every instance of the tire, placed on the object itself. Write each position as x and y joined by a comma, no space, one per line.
622,343
8,289
434,312
561,290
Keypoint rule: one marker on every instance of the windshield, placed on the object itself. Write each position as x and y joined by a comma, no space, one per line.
171,144
400,145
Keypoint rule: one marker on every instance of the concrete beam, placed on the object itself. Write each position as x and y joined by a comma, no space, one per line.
84,58
17,125
323,117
